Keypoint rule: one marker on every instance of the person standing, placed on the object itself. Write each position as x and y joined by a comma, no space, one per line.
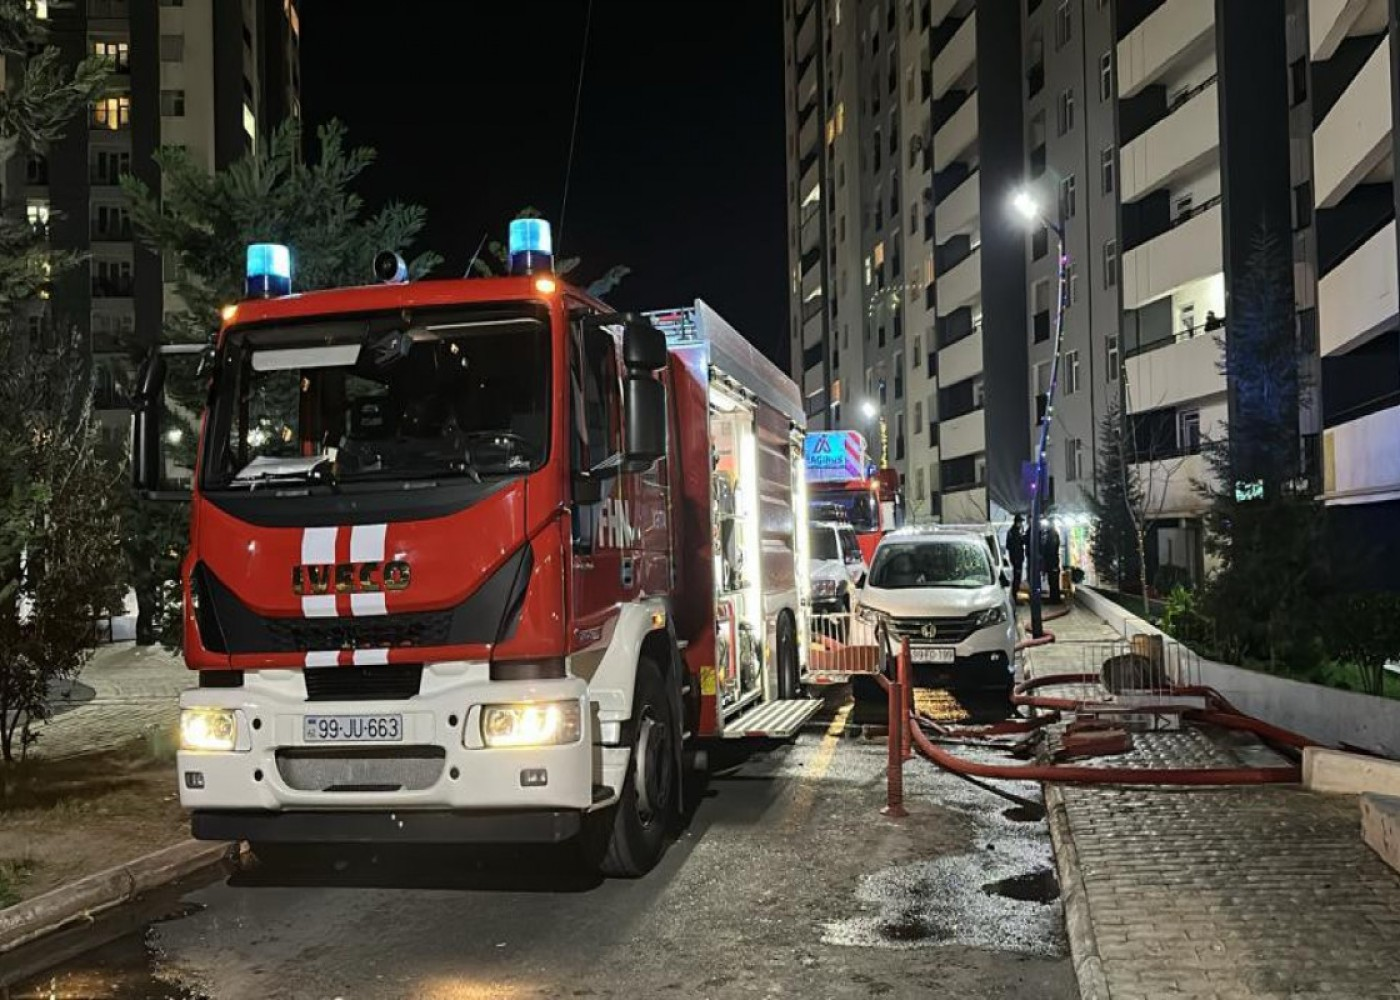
1050,560
1016,551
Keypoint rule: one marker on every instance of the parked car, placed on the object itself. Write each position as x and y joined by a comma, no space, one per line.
946,591
836,566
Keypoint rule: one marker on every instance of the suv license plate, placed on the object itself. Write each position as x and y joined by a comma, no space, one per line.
932,654
352,728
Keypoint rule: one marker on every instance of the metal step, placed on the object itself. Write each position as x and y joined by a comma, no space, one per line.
776,719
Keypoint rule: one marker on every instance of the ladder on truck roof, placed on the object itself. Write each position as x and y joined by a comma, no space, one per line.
777,720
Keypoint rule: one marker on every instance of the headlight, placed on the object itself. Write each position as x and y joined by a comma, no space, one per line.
208,729
544,724
868,615
992,616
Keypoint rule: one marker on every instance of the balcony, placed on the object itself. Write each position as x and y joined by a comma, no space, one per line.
956,59
1360,460
964,506
1187,252
1330,22
806,35
941,9
1177,372
956,136
961,286
1355,137
1173,35
1169,486
1179,143
1358,295
963,359
959,212
964,435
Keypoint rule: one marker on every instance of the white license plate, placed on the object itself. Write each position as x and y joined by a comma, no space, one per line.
352,728
932,654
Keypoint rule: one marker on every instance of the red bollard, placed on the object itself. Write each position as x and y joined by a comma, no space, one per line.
894,767
906,682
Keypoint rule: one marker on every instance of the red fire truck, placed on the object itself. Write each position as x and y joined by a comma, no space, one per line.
842,485
474,560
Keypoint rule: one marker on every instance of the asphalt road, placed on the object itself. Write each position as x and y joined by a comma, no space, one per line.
787,882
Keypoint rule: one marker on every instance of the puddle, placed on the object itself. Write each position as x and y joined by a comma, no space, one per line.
1024,814
1033,887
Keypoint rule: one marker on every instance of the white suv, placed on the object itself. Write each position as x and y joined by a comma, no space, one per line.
837,568
943,591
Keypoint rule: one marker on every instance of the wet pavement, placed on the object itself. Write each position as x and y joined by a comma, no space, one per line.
786,882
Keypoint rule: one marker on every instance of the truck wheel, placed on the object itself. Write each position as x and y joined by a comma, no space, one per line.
647,805
789,665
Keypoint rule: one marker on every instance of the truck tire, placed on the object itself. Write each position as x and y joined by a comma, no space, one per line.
646,809
789,664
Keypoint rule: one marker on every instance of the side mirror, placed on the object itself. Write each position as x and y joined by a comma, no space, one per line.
860,582
644,420
1004,581
147,411
643,346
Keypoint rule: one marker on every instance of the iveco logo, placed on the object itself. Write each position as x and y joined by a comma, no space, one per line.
929,631
350,578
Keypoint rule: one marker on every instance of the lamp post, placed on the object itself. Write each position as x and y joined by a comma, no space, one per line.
1028,207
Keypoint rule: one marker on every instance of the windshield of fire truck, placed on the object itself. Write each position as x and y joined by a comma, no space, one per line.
859,508
401,396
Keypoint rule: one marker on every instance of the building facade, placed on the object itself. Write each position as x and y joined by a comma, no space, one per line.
210,76
887,101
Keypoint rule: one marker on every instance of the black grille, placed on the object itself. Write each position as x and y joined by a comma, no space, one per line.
428,628
398,681
946,630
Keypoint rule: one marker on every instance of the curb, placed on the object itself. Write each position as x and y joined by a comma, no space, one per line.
1079,927
34,918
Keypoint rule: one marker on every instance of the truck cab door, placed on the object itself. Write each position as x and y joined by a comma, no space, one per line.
603,573
167,406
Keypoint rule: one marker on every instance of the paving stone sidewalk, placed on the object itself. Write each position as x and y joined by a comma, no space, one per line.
124,692
1245,893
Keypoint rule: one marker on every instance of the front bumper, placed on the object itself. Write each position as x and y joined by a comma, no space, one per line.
405,827
984,661
440,767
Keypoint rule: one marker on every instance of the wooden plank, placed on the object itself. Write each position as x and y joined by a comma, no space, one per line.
1380,827
1342,773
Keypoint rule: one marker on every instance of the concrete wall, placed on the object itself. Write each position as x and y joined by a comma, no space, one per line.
1325,714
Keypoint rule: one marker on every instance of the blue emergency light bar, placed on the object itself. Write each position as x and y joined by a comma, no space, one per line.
269,271
531,246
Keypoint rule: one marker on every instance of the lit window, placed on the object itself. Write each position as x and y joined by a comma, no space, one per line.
112,112
40,9
117,53
38,215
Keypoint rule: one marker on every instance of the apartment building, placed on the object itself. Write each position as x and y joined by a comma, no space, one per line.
1343,77
211,76
1163,188
864,137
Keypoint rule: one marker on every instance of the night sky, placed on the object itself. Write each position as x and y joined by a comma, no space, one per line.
678,167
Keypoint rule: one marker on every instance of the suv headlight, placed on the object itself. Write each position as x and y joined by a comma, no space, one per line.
212,729
548,723
992,616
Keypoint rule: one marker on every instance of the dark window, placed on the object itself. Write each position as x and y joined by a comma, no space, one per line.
172,103
1110,263
1302,206
1064,25
1298,81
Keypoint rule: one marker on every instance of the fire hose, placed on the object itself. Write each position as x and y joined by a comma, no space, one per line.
1219,712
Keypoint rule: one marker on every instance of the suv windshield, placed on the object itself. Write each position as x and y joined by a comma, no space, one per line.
931,562
421,395
824,544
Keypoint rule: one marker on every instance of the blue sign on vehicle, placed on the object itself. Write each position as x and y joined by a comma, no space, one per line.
832,456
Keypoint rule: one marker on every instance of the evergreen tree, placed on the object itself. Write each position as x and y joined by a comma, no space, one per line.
1267,539
57,496
202,224
1118,495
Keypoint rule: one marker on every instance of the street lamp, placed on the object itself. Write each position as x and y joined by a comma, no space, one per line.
1028,207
